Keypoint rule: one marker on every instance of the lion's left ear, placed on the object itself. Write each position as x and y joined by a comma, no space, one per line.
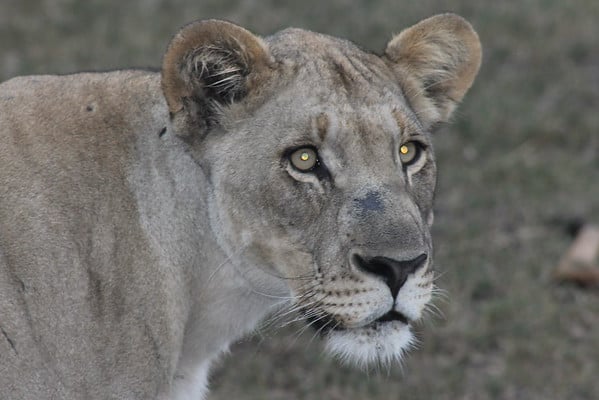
436,62
209,65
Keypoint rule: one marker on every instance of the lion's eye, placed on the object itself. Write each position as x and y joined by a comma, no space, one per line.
304,159
409,153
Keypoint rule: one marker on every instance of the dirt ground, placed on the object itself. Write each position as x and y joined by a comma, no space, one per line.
517,169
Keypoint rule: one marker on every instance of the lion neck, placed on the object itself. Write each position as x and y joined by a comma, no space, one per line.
218,305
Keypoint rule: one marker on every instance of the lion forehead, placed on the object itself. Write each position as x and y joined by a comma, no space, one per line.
333,69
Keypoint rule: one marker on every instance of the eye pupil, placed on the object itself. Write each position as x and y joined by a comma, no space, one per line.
409,153
304,159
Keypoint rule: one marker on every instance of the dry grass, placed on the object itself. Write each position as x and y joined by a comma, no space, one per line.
518,164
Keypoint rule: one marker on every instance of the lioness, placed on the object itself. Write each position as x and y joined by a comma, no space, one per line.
148,220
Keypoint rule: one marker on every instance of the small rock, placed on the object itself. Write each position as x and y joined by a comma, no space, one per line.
579,264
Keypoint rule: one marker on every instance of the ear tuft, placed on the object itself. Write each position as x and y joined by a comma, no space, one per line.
208,65
219,72
436,61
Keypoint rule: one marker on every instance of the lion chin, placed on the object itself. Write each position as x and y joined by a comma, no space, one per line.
379,343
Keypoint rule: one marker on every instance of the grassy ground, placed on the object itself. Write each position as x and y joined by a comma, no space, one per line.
518,165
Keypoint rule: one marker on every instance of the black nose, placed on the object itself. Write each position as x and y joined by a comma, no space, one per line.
394,272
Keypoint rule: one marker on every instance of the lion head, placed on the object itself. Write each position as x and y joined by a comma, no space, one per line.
321,166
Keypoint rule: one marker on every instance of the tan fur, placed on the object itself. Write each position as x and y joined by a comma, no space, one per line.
439,55
148,220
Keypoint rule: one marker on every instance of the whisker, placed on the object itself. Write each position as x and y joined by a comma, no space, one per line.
440,295
222,264
439,275
435,311
308,325
301,304
299,332
272,296
320,330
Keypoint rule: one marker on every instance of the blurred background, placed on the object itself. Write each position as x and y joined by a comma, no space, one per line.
518,171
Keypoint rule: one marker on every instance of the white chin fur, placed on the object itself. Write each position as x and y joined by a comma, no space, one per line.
378,344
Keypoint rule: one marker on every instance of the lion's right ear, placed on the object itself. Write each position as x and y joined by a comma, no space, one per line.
207,66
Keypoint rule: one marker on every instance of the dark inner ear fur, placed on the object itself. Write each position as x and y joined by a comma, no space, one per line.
209,65
218,73
216,76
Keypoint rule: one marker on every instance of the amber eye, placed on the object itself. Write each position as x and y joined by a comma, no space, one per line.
304,159
409,153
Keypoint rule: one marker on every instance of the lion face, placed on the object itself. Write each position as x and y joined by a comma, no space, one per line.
345,228
321,167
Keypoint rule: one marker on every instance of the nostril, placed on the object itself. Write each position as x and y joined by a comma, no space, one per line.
367,265
394,272
413,265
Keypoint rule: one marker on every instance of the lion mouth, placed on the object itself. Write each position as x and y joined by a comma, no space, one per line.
325,324
393,315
